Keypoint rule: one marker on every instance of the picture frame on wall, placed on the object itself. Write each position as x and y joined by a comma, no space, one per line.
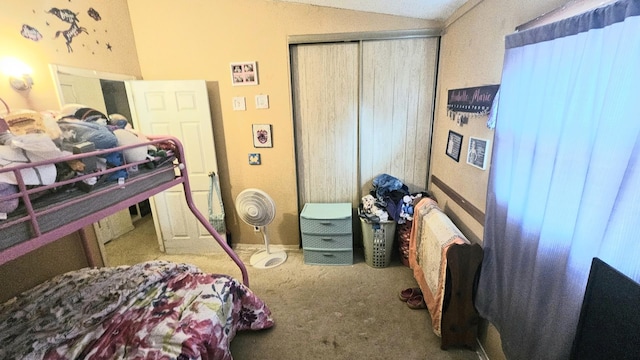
262,136
477,154
454,145
244,73
254,159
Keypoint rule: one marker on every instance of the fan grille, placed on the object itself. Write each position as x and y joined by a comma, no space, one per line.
255,207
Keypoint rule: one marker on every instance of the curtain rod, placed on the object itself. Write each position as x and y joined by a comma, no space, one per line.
573,7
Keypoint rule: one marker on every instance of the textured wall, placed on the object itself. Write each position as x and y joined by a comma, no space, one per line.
105,45
471,54
200,40
103,42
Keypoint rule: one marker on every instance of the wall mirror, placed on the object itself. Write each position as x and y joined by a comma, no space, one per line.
107,93
102,91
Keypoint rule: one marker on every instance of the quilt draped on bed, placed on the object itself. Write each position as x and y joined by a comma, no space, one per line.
158,310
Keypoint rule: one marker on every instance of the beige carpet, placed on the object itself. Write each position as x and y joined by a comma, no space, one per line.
321,312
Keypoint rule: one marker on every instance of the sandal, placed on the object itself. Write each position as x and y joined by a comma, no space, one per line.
408,293
416,302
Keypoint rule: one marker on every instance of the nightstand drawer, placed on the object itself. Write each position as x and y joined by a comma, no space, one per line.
325,226
327,241
328,257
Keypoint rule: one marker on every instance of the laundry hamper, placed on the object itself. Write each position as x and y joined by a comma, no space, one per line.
216,218
377,239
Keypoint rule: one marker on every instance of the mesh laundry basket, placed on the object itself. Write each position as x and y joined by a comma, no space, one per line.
216,219
377,238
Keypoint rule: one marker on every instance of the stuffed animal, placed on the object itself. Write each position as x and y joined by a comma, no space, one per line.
370,208
406,209
368,202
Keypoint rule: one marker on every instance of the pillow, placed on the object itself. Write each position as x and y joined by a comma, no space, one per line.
28,148
91,115
126,137
69,110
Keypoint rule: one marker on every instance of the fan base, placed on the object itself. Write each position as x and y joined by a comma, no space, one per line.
265,260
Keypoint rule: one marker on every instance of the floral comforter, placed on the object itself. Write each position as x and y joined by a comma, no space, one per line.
153,310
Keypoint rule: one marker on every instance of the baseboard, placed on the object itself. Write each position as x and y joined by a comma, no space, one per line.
482,355
256,247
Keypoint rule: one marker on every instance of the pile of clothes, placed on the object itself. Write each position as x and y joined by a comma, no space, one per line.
28,136
389,200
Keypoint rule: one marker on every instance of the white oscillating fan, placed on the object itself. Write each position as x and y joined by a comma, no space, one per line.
257,209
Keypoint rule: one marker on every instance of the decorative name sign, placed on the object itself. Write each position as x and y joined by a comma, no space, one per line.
474,101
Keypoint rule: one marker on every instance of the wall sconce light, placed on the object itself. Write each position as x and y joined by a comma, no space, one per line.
18,72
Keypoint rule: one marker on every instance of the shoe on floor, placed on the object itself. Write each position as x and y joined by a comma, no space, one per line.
416,302
408,293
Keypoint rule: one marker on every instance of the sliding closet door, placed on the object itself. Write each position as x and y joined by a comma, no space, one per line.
398,84
325,90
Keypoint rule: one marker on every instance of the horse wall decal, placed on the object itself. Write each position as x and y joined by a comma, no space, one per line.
70,33
74,30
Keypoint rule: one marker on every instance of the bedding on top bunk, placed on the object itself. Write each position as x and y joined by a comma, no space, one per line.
34,136
158,310
26,147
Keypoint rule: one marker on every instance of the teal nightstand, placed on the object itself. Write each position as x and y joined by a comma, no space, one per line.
327,233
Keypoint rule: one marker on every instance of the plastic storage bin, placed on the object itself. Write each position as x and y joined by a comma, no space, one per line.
377,238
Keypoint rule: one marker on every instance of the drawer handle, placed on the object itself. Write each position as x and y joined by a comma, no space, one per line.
327,255
327,239
325,222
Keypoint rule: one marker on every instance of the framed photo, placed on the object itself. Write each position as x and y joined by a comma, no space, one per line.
254,159
477,154
262,137
244,73
454,145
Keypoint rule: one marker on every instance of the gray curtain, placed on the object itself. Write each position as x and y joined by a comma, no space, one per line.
563,184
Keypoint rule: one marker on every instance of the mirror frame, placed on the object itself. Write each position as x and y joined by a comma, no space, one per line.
69,70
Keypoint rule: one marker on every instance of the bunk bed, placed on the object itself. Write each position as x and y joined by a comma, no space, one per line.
155,309
46,215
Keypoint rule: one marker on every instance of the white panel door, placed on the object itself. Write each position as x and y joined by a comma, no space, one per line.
180,108
325,80
398,85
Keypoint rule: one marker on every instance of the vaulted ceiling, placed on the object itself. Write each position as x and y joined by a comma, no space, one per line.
422,9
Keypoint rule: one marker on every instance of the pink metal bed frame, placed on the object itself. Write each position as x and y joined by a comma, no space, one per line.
40,238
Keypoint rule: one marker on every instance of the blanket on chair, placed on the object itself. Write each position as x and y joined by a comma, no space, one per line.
432,233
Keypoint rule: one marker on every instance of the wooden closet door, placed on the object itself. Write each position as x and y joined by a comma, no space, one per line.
396,111
325,90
